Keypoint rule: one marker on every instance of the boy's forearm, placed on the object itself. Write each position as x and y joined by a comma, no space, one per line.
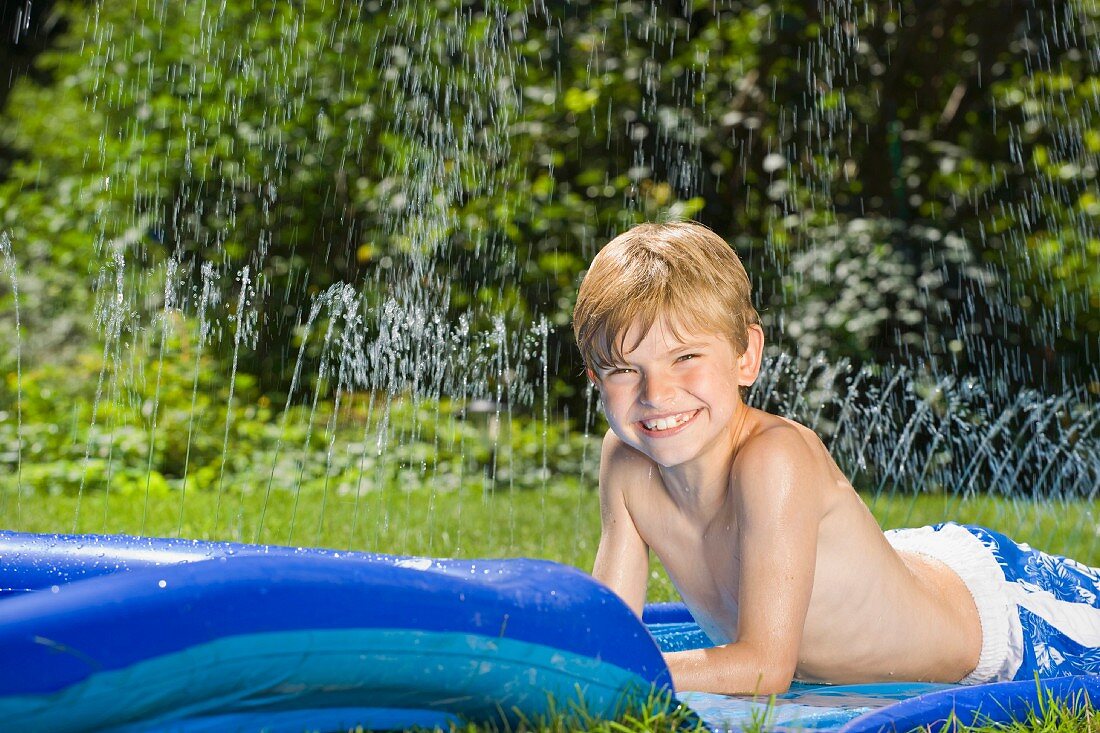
733,669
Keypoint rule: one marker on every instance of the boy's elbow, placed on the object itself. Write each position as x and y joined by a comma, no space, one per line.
775,674
774,683
780,674
766,683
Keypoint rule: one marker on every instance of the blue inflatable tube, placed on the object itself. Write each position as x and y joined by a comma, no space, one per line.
135,634
111,633
998,703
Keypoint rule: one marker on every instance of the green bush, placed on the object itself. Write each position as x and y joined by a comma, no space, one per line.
456,162
158,428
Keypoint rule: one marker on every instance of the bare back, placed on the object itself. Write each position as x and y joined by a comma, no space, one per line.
872,613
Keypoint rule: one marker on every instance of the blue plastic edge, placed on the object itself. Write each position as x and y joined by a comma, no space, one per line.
667,613
999,702
413,674
68,630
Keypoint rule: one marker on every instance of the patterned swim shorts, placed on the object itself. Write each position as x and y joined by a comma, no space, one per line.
1040,613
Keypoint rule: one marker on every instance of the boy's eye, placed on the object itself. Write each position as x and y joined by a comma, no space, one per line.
687,357
619,370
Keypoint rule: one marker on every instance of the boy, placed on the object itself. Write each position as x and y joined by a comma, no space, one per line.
775,554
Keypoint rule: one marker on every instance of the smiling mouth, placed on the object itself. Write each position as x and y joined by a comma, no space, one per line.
660,424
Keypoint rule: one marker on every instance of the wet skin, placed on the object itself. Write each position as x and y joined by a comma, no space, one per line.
771,548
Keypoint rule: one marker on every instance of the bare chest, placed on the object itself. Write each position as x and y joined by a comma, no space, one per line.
703,564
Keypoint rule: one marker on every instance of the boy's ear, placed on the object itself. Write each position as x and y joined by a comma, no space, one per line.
591,373
748,364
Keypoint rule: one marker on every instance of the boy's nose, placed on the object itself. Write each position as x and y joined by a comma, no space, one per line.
657,392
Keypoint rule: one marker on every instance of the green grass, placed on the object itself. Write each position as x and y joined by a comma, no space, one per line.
656,715
558,523
1077,715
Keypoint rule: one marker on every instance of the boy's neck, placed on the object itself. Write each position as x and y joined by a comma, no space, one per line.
700,486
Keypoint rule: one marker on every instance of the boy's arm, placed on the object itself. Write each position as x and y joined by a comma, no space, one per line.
622,560
779,514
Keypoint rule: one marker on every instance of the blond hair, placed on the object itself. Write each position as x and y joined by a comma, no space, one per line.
681,272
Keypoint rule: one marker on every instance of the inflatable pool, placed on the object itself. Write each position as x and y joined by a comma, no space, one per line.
115,633
132,634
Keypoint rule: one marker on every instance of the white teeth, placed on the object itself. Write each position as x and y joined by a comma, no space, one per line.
664,423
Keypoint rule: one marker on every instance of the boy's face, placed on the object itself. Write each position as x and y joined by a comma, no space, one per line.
675,400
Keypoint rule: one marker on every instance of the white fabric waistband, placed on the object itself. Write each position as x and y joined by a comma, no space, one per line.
1002,635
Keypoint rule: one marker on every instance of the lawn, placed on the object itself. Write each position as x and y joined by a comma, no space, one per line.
558,523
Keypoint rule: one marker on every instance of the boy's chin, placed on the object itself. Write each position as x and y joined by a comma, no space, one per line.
666,457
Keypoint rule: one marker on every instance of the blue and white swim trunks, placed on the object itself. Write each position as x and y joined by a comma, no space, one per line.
1040,613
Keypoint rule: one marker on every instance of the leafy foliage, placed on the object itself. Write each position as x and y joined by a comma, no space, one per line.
155,429
218,218
470,159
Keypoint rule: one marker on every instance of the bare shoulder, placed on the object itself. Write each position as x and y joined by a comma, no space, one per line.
630,482
784,463
621,458
777,446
